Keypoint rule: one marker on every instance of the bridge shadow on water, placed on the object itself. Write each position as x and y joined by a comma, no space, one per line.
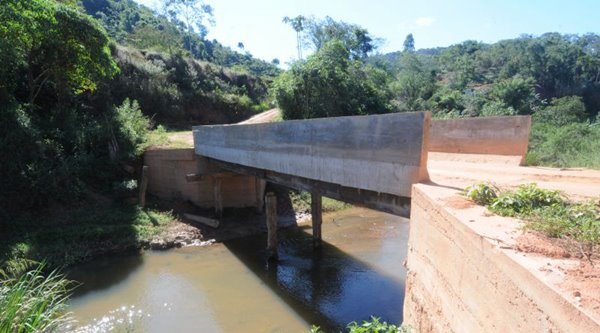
326,287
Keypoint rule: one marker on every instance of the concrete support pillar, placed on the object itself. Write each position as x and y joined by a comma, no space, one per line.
260,185
316,210
218,197
271,208
143,187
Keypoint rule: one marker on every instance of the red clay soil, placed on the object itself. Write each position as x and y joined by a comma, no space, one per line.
584,284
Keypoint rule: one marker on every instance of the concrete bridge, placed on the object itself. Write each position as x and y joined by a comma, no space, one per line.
371,161
466,271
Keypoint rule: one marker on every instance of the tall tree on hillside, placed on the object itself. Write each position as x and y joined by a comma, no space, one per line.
297,24
409,43
355,38
190,15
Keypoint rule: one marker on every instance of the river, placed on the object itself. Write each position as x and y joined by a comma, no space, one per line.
231,287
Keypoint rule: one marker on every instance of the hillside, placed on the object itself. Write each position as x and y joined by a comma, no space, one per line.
137,26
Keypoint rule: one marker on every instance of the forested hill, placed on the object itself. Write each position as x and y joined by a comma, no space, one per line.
515,76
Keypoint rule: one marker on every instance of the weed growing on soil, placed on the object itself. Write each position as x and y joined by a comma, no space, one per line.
525,200
545,211
370,326
482,193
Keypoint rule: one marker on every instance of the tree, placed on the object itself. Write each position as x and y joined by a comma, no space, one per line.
409,43
190,15
56,46
356,39
53,56
330,84
297,24
414,83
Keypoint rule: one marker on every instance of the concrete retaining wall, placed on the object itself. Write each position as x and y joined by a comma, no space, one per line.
464,276
382,153
166,180
485,135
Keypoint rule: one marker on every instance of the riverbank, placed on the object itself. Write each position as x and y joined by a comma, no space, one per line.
66,237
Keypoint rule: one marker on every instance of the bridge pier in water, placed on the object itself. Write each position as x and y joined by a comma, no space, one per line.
271,208
316,211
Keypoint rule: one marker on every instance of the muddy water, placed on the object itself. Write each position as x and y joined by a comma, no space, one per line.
230,287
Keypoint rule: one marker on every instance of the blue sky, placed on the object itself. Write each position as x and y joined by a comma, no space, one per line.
258,23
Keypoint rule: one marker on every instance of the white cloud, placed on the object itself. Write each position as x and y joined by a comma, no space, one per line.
424,21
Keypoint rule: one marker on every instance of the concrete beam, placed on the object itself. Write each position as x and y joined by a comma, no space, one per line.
381,153
484,135
384,202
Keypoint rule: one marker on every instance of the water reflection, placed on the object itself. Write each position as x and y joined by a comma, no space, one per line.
327,287
231,287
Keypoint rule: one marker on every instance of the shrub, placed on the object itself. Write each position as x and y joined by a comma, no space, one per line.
374,325
562,111
482,193
132,128
497,108
516,92
525,199
571,145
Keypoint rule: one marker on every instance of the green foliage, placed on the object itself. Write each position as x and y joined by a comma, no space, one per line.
58,49
79,234
132,127
525,199
546,211
374,325
580,221
497,108
355,39
516,93
176,31
511,76
329,84
414,85
482,193
570,145
34,302
562,111
174,88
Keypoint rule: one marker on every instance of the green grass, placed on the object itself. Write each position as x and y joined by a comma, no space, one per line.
546,211
163,137
34,302
571,145
78,235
